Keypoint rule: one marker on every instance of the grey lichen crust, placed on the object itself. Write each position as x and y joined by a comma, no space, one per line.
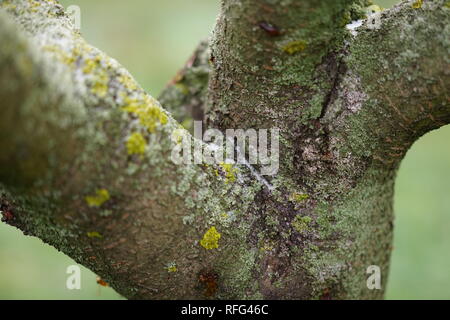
86,153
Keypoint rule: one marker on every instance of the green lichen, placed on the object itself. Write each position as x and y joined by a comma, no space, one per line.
267,247
301,224
187,123
355,12
182,88
298,197
346,19
272,221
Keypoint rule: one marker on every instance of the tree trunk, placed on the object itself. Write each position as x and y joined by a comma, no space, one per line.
86,153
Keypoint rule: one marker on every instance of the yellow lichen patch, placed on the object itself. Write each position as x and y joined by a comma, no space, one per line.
210,239
34,5
93,68
136,144
8,5
101,196
417,4
298,197
94,234
91,64
230,172
128,82
295,46
100,89
447,4
266,247
149,114
61,55
172,267
100,86
79,49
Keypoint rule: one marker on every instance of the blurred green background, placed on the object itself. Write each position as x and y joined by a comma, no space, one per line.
153,39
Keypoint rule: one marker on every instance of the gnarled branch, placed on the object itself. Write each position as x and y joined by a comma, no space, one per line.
85,162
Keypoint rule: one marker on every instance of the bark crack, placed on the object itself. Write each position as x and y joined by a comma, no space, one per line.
337,70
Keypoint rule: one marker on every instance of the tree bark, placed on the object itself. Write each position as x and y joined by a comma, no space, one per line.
85,162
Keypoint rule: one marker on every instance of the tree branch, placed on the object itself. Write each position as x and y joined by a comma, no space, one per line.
274,60
85,162
395,87
86,166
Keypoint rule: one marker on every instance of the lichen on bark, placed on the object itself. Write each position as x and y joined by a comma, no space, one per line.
85,162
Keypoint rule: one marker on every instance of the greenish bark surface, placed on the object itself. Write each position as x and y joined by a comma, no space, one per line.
86,153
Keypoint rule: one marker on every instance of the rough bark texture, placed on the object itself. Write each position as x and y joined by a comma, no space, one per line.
85,162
